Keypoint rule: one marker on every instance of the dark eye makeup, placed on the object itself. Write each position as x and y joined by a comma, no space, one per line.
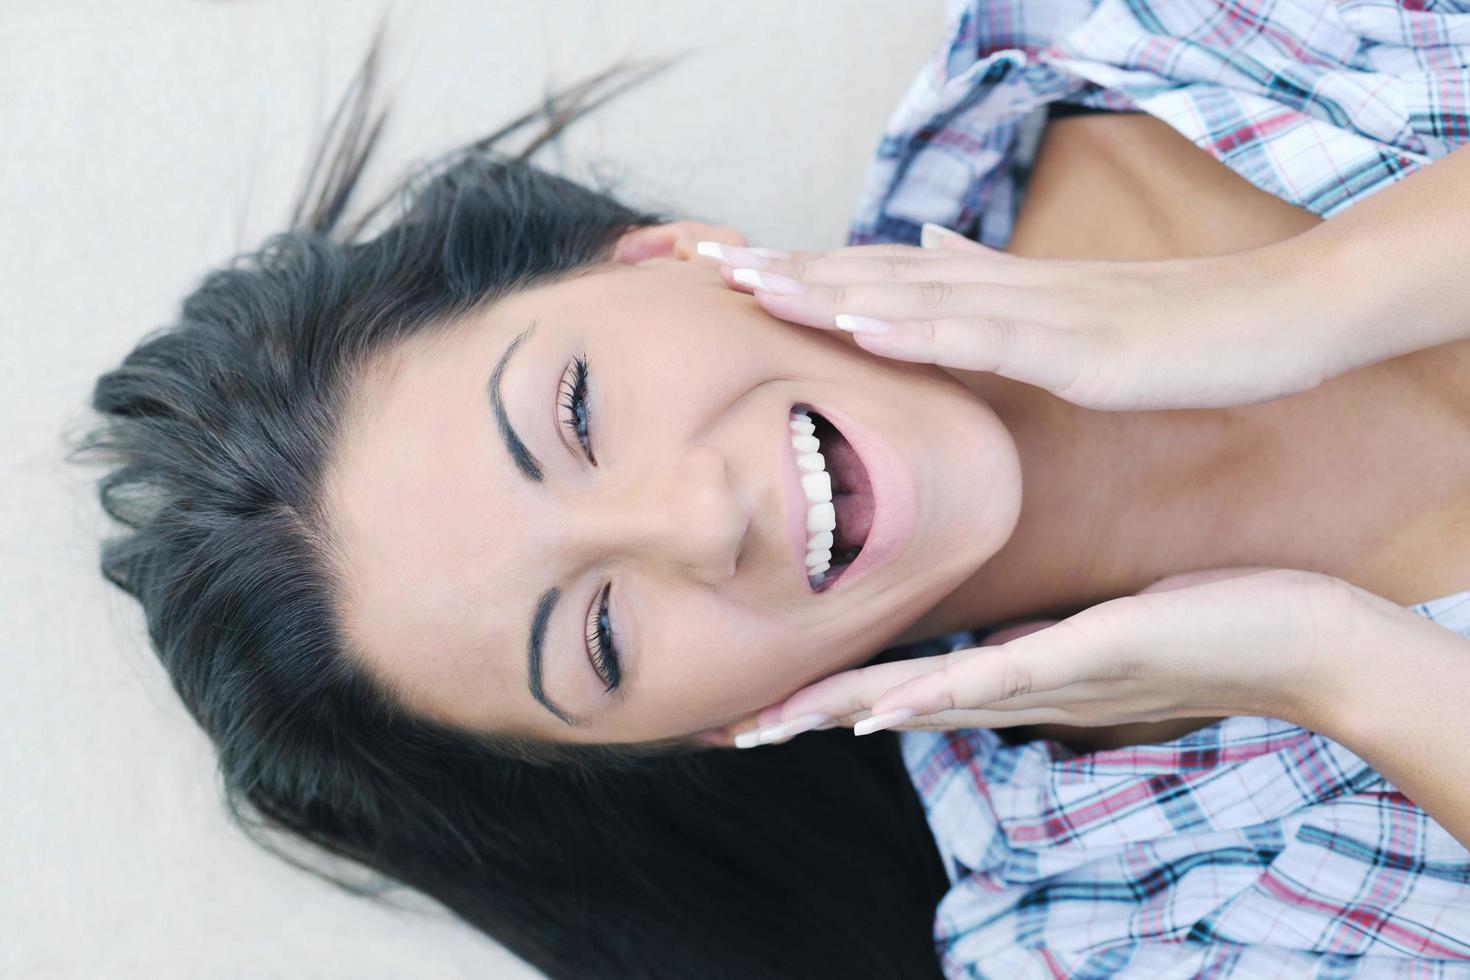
572,396
599,643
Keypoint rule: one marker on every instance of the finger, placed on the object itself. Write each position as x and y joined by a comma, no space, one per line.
984,718
942,721
1022,350
1185,580
938,237
847,693
1008,633
837,268
730,257
912,266
817,305
1044,661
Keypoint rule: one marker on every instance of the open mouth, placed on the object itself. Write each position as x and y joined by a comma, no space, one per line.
839,496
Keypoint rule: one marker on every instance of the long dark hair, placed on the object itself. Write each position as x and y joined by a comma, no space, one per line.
805,860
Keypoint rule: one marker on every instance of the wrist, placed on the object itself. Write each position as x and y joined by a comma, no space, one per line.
1331,296
1332,653
1383,653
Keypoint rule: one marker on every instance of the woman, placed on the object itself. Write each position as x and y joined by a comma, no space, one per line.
464,539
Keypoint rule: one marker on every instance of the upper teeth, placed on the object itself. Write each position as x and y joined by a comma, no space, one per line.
821,516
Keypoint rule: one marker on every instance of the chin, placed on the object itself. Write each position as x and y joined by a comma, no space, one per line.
967,516
970,486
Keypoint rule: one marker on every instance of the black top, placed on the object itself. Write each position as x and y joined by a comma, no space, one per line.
1057,110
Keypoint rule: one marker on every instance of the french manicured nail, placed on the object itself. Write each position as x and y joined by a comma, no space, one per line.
748,739
861,324
930,235
754,258
786,729
782,730
879,722
768,282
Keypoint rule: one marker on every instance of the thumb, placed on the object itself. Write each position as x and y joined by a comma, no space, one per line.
1184,580
934,236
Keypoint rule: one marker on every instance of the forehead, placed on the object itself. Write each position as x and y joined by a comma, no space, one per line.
420,498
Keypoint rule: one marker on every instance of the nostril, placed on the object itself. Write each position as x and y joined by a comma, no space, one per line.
741,539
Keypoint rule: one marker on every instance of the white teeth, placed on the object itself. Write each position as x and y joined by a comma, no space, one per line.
803,443
816,486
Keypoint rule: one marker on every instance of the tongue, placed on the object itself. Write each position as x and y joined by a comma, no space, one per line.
851,495
854,519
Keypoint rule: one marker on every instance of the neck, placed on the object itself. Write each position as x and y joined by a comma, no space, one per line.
1114,501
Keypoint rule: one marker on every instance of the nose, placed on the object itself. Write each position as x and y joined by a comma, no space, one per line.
683,516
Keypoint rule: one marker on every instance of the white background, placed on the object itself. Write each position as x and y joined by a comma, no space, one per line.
143,142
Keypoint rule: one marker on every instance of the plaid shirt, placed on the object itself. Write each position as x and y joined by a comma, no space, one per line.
1315,102
1250,848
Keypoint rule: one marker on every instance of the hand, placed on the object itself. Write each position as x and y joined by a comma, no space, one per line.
1182,333
1234,641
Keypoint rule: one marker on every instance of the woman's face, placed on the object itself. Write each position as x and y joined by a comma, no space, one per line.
500,572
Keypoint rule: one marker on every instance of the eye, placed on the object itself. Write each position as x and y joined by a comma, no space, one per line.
573,399
600,647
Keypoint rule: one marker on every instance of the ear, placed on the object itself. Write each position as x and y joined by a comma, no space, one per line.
674,241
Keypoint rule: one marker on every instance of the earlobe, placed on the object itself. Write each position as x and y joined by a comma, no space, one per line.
675,241
715,737
725,738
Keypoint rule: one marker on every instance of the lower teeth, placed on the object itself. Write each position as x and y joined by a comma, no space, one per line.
840,560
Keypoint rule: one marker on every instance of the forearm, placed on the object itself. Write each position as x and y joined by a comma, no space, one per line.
1395,266
1400,699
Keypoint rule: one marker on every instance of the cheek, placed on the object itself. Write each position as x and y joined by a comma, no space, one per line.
719,661
703,364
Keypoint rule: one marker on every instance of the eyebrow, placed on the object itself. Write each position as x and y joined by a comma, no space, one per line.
544,606
529,466
531,469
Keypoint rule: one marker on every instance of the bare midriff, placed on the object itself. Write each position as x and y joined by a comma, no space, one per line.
1380,456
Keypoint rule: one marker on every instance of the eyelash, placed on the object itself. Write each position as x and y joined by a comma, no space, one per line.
599,642
573,398
573,391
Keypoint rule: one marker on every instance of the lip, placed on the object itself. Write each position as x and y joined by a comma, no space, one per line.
895,508
895,513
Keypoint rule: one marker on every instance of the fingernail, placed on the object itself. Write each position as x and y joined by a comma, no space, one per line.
879,722
930,235
748,739
752,737
769,282
786,729
861,324
754,258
